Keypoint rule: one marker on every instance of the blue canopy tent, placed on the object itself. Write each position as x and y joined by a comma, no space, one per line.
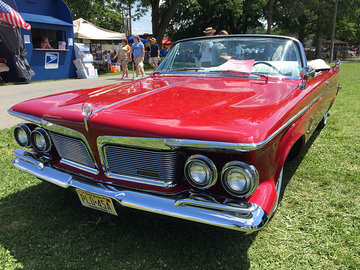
48,19
130,38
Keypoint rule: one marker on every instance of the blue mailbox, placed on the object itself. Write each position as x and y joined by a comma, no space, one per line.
50,42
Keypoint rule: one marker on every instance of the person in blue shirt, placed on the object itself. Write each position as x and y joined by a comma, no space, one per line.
138,52
154,53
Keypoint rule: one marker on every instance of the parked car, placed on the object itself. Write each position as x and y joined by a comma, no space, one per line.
203,138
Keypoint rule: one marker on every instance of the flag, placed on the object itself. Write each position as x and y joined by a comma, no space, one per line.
11,16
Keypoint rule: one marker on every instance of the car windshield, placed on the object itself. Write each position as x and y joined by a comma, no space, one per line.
228,54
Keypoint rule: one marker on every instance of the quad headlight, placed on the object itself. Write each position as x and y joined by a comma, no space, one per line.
40,140
22,135
200,171
239,178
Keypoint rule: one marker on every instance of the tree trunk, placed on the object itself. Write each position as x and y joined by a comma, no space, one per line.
269,16
302,32
333,32
244,25
130,20
319,38
160,18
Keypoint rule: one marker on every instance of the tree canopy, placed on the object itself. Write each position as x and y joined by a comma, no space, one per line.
104,13
303,19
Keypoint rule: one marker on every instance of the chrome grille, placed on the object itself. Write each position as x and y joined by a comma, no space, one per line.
72,149
156,165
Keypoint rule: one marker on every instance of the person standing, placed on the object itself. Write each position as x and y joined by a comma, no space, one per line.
209,31
218,51
138,52
154,53
206,49
107,59
123,57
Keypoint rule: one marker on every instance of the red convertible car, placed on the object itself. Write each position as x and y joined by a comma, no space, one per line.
203,138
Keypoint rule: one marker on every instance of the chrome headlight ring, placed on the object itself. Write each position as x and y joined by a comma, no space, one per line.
40,140
200,171
239,179
22,135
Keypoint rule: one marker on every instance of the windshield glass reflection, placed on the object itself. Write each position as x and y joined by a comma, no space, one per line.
267,56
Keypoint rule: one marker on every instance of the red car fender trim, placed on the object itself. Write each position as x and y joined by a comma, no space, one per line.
265,195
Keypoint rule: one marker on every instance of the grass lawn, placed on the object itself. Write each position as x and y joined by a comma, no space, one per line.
317,225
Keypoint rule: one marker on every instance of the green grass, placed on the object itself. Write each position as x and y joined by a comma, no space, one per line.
317,225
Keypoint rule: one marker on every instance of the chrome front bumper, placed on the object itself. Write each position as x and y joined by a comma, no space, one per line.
246,217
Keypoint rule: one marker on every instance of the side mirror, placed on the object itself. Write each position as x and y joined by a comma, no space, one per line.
306,73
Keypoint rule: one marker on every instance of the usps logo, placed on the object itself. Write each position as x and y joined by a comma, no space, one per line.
51,60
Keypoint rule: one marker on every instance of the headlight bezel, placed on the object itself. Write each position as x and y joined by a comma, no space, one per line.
250,174
46,137
205,161
27,131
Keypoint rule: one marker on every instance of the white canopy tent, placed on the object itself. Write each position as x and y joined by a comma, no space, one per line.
86,30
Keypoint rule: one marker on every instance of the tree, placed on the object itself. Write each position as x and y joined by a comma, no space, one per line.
104,13
333,31
269,15
235,16
161,14
348,21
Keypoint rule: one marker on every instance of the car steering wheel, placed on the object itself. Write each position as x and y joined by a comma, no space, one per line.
268,64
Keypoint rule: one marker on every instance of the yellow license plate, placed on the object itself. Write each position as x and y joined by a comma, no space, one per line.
97,202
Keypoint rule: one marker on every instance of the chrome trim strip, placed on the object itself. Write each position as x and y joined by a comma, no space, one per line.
79,166
216,206
219,75
139,95
149,143
26,117
61,130
244,219
27,164
140,180
27,157
242,147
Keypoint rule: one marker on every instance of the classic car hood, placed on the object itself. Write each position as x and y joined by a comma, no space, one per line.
174,106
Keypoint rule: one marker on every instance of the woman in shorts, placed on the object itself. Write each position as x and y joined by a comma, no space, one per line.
138,52
123,57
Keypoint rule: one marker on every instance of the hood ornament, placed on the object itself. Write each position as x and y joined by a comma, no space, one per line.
86,110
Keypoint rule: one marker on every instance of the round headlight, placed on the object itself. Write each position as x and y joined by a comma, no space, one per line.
239,178
40,140
200,171
22,135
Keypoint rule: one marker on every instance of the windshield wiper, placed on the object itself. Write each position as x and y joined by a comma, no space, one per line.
245,73
186,69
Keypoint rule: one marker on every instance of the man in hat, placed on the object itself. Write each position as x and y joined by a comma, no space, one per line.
209,31
206,49
154,53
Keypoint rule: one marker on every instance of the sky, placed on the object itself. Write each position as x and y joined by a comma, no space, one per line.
143,25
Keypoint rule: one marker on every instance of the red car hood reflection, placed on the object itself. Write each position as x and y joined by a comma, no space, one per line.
174,106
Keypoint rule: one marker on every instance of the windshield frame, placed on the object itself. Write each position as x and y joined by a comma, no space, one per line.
295,41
